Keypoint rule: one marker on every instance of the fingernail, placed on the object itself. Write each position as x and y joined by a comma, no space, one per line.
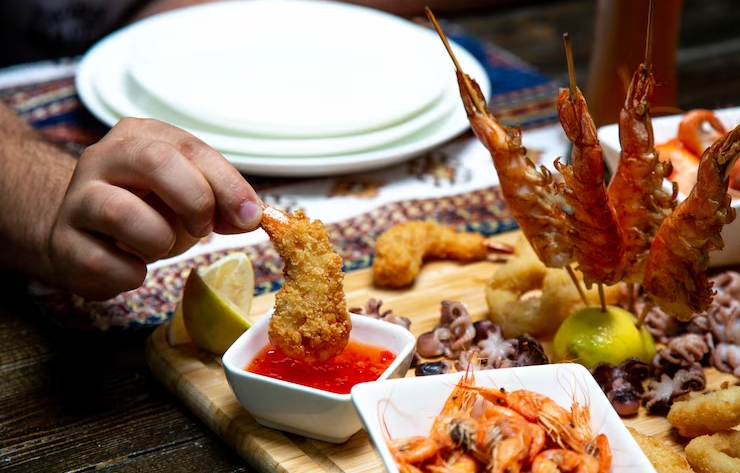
250,215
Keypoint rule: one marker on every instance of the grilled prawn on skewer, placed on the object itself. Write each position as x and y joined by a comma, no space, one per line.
310,321
675,277
636,190
528,191
594,227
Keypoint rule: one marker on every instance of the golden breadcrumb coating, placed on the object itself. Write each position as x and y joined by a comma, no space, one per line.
310,321
663,457
401,250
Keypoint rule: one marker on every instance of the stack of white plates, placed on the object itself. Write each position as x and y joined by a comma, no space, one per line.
284,87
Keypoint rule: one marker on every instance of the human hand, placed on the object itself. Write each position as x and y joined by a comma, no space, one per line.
146,191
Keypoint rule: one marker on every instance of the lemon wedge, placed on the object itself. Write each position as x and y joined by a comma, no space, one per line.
177,334
216,302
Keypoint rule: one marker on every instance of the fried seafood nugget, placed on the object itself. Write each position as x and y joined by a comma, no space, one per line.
707,413
525,297
310,321
402,248
663,457
716,453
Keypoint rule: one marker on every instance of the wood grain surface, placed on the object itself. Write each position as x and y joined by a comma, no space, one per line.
197,378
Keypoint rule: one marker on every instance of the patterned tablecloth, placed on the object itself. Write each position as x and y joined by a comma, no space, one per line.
455,184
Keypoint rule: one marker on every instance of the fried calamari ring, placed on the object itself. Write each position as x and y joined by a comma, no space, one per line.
716,453
401,250
310,322
706,413
663,457
525,297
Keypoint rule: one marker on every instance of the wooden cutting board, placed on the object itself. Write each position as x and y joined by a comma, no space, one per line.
198,380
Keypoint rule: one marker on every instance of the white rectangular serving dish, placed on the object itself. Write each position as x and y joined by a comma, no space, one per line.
408,406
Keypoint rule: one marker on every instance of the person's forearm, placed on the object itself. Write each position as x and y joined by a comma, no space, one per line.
34,175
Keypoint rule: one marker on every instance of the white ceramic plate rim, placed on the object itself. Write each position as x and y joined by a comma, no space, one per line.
170,67
125,98
453,124
408,406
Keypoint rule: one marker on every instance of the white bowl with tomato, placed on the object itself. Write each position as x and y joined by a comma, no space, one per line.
314,401
665,132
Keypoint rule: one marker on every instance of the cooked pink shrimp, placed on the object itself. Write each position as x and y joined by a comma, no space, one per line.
692,134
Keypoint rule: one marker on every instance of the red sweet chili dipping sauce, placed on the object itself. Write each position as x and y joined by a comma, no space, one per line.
356,364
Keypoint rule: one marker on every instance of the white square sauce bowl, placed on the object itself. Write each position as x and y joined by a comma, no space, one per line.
303,410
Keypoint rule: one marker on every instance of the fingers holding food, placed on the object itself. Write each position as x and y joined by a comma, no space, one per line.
716,453
310,321
706,413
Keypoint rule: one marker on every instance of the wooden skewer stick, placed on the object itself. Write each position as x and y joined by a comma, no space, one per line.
643,314
571,67
631,288
480,107
577,283
602,298
573,92
649,40
648,61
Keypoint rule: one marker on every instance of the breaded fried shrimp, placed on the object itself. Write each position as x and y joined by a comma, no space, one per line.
401,250
662,457
310,322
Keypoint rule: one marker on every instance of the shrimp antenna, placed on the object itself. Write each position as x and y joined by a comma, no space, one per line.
649,41
478,105
571,67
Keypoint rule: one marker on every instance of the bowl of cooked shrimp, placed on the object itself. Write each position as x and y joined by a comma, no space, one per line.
536,418
682,139
313,399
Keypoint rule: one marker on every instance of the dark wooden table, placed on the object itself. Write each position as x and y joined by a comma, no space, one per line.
82,402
